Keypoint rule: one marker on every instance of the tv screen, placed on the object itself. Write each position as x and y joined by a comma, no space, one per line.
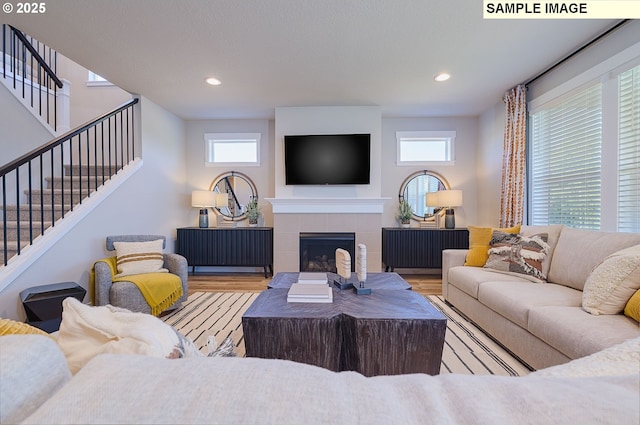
327,159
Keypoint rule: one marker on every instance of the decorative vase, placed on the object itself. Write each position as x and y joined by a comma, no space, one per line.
204,218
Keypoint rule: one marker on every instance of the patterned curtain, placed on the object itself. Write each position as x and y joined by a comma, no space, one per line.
514,157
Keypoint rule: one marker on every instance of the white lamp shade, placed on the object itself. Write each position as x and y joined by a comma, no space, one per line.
222,200
433,199
450,198
203,198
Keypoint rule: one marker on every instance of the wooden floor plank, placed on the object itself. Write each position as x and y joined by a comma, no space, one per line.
425,284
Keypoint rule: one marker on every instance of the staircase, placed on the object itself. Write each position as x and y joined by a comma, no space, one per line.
40,188
42,208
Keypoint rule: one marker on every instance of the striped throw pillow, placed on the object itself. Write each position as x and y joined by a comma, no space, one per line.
139,257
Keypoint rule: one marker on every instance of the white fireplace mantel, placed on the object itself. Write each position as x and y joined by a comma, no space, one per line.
328,205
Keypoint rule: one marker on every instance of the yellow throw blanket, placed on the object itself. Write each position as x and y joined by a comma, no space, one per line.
160,290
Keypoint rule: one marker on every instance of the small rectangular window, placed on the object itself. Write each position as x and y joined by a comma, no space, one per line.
425,147
95,80
232,148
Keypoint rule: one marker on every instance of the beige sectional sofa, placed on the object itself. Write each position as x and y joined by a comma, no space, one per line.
544,324
36,387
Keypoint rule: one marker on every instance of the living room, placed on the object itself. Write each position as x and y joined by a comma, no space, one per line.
326,68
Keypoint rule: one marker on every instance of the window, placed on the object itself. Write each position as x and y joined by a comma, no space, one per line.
565,160
584,155
95,80
424,147
629,151
232,148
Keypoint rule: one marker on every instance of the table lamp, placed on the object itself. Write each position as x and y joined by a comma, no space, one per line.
203,199
449,199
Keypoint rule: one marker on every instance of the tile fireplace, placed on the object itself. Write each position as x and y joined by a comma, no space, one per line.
318,250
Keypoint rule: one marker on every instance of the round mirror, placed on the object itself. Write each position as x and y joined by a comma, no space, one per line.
415,188
239,190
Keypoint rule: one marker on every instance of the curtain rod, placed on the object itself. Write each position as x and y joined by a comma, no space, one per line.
575,52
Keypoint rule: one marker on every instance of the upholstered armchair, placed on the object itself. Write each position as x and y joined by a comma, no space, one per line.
123,289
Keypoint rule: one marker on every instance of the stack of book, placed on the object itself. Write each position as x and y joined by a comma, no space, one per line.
428,224
310,288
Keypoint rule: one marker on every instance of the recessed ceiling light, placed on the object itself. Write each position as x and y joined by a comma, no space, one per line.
213,81
443,76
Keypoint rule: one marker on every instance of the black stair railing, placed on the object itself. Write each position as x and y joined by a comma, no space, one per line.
74,165
31,66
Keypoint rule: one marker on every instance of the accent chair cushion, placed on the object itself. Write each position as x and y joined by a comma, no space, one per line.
139,257
612,283
519,255
479,239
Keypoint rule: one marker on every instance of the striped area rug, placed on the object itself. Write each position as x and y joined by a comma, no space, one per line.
467,349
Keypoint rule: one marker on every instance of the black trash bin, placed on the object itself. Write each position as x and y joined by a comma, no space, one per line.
43,304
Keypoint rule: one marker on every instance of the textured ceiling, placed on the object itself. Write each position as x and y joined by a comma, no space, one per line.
271,53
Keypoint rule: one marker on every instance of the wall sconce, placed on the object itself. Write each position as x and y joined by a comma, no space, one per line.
203,199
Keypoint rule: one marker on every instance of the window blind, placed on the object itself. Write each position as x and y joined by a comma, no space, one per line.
629,151
565,160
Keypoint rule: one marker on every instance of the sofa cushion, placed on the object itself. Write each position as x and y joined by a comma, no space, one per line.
579,251
32,369
518,255
136,389
576,333
515,299
610,286
553,233
468,279
621,359
479,239
632,309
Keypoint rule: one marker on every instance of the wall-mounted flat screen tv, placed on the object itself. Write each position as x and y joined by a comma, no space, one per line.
327,159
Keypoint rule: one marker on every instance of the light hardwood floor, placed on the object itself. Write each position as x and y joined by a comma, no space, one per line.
426,284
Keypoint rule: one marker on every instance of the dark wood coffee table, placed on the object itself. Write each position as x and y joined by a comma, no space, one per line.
391,331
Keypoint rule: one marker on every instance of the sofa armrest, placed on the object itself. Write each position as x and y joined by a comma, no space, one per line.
102,282
178,265
451,258
33,368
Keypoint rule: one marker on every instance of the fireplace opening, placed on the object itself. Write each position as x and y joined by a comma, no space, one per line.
318,250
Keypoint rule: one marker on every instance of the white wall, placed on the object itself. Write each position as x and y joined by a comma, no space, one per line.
20,132
87,102
200,177
489,165
461,175
150,202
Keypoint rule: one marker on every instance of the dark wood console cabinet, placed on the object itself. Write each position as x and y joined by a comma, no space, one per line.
419,248
235,247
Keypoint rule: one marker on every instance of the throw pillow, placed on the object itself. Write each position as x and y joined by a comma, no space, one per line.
518,255
11,327
632,309
612,283
479,239
139,257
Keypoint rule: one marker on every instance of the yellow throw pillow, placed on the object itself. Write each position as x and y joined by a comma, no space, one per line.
11,327
479,240
632,309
